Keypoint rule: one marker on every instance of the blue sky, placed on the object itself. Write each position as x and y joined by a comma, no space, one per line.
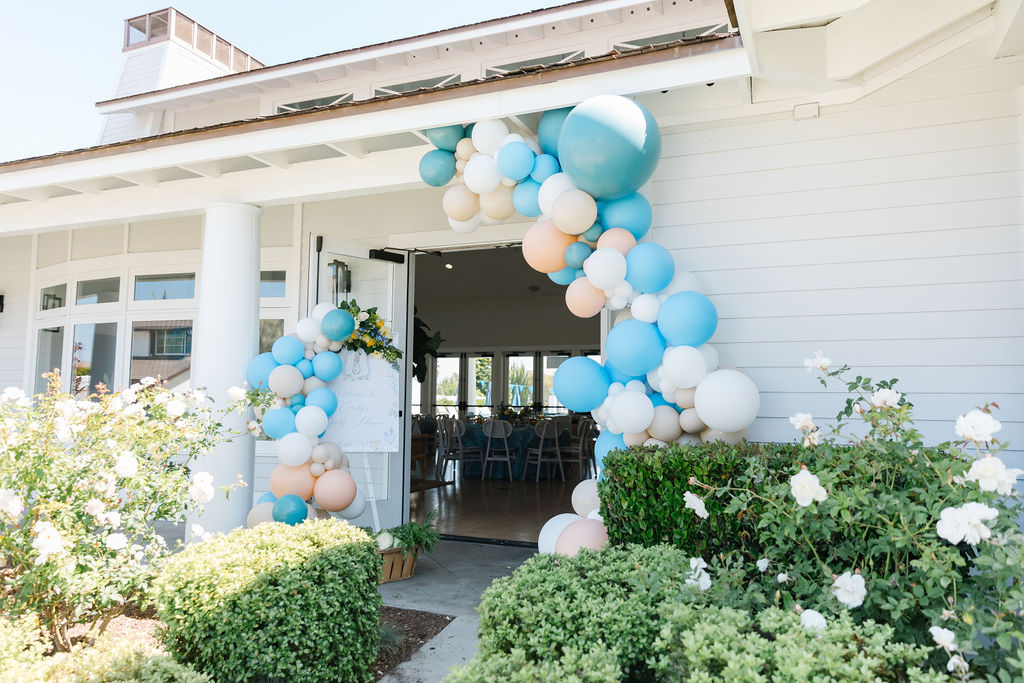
61,57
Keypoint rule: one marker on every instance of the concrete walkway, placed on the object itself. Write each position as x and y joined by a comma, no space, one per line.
449,582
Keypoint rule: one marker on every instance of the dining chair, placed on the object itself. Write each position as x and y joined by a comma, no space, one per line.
547,449
498,448
583,449
457,451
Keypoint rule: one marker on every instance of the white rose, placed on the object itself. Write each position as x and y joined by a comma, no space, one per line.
253,427
886,398
236,393
201,489
176,407
819,362
126,466
957,663
992,475
812,439
699,577
696,504
94,507
812,620
849,589
11,506
806,488
965,523
117,542
47,542
782,578
113,518
147,381
762,565
1009,480
977,426
944,638
803,422
134,410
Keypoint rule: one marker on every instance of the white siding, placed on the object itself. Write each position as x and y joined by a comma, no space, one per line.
15,273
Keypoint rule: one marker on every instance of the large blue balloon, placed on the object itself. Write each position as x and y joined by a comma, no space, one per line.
576,253
288,350
446,137
305,366
687,319
515,160
544,166
437,167
619,376
524,198
632,212
563,277
550,127
267,497
326,365
338,325
607,442
594,232
278,422
581,384
258,372
609,146
323,398
649,267
289,509
635,347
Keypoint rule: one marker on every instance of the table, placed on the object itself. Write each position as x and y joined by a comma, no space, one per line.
520,439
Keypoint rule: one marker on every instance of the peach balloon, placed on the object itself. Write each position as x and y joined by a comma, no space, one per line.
460,203
498,203
297,480
544,247
583,299
619,239
334,490
583,533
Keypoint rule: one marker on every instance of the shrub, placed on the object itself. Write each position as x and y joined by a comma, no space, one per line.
21,641
277,601
597,665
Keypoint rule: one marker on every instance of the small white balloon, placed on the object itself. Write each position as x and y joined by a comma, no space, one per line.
321,452
657,443
285,381
309,353
488,135
645,308
605,268
335,346
465,227
308,329
624,289
322,309
551,530
261,512
319,348
632,411
482,174
684,366
689,440
293,449
464,149
322,340
710,356
616,388
311,421
512,137
551,189
355,508
316,469
584,497
690,421
617,303
636,385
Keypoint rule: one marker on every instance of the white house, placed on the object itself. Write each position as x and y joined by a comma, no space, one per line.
843,175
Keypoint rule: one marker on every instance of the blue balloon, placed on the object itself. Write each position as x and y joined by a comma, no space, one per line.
288,350
326,365
632,212
579,274
338,325
635,347
617,375
659,400
524,198
297,400
267,497
581,384
515,160
609,145
687,319
607,442
446,137
278,422
437,167
305,366
594,232
324,398
576,253
563,277
544,166
289,509
550,127
258,372
649,267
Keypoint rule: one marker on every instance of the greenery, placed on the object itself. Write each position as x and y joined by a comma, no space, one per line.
596,665
276,601
411,535
423,344
81,482
371,334
21,641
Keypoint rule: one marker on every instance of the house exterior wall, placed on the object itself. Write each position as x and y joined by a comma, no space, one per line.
15,286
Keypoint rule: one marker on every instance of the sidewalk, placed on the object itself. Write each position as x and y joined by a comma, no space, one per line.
449,582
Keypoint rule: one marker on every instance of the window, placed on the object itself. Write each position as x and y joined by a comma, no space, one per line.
49,349
163,349
204,40
222,52
183,28
410,86
93,357
479,384
176,342
136,31
167,286
446,393
271,330
158,25
103,291
272,284
551,404
53,297
520,381
312,104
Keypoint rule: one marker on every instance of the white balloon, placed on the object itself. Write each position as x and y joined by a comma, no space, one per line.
710,356
684,366
709,435
682,281
311,421
464,149
615,388
552,529
689,439
727,401
308,329
533,145
632,411
690,421
574,212
355,508
319,348
293,449
636,385
261,512
584,497
512,137
488,135
465,227
309,353
551,189
617,303
285,381
623,289
665,424
657,443
310,383
645,308
481,174
335,346
684,397
605,268
316,469
636,439
322,309
322,340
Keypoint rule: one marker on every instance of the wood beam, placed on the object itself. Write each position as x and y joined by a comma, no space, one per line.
769,15
1009,28
275,159
352,149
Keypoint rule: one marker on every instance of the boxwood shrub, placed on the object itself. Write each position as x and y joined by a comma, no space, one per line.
296,603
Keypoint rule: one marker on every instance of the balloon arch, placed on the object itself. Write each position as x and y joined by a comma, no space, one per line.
580,178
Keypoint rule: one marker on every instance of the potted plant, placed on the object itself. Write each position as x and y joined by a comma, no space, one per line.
400,545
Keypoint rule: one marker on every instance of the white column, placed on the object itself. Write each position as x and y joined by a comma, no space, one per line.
225,339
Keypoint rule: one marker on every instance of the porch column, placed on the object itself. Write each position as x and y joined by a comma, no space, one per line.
225,339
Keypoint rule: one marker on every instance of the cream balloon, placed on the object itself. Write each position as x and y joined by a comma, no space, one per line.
293,449
488,135
574,211
655,443
310,383
285,381
665,424
551,189
261,512
460,203
316,469
481,174
355,508
684,397
583,299
733,438
583,533
690,421
551,530
636,439
460,166
619,239
689,440
309,353
334,490
497,204
584,497
727,401
464,149
308,329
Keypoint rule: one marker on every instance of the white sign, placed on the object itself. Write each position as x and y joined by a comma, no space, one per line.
367,416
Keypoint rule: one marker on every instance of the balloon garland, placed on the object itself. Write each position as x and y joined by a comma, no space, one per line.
580,178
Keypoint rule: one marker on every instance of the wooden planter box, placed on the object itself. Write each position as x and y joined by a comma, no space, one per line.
395,566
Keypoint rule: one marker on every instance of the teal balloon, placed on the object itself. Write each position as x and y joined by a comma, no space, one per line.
278,422
563,277
295,409
550,127
524,198
305,366
326,365
289,509
575,254
594,232
544,166
446,137
288,350
579,273
338,325
297,400
267,497
609,145
437,167
515,160
324,398
635,347
581,384
649,267
258,372
632,212
605,444
687,319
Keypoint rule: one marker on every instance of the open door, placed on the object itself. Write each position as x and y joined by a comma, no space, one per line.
373,423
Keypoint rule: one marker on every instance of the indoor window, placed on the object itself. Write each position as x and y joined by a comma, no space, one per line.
446,393
102,291
93,358
520,381
272,284
166,286
53,297
49,348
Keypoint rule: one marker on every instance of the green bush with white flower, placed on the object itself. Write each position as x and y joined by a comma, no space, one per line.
81,483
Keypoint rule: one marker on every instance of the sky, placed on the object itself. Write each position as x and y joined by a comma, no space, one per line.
60,57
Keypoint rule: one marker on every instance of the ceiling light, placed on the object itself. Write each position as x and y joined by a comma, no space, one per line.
448,266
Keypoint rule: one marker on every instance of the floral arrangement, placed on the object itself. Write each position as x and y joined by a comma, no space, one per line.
371,335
